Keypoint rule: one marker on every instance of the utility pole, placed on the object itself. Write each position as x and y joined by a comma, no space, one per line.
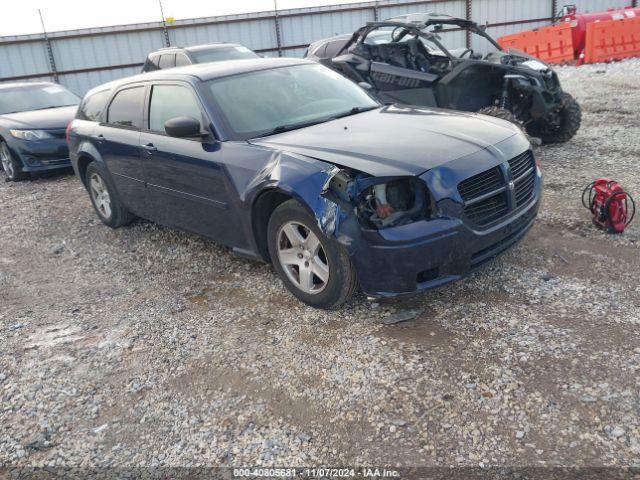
164,26
47,42
277,25
468,15
554,10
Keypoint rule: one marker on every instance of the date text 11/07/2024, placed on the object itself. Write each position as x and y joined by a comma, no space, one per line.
361,472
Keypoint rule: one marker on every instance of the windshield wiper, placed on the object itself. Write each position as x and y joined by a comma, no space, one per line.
291,126
353,111
296,126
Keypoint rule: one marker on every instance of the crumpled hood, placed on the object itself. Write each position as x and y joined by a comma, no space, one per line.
49,119
394,140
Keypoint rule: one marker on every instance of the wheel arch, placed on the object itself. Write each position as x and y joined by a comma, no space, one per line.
262,208
84,159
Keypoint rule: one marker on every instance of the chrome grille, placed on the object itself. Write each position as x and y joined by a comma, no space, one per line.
523,172
521,164
487,196
481,184
488,210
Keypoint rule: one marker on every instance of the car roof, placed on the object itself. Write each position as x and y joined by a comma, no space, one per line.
207,71
196,48
24,84
210,46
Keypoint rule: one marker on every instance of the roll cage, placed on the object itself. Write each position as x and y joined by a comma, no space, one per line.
416,24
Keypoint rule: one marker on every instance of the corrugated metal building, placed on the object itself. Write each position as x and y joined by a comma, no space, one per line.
82,59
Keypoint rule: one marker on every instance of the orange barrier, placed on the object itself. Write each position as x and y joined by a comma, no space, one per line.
612,40
553,44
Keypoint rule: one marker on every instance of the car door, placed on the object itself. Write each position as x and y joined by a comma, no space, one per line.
185,177
118,140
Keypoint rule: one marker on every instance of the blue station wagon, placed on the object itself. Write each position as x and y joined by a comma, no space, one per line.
286,161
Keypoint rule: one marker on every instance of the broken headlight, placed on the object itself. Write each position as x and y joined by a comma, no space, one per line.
384,204
380,202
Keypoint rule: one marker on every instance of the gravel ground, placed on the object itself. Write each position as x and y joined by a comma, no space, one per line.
150,347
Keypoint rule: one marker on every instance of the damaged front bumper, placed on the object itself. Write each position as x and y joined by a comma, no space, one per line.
430,253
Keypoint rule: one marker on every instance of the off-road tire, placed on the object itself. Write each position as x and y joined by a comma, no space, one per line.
16,174
571,118
342,282
501,113
504,114
119,216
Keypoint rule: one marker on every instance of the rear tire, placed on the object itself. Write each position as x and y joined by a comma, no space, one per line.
104,197
11,167
570,120
296,245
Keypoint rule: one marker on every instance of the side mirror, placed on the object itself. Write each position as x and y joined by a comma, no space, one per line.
366,85
183,127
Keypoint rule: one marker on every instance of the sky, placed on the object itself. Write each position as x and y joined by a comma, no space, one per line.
22,16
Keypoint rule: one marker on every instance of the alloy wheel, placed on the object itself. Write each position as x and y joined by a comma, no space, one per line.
303,257
100,195
7,161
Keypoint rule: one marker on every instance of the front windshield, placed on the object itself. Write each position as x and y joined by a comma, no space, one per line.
25,98
385,35
219,54
268,101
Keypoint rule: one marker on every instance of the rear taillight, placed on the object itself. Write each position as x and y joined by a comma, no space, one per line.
66,132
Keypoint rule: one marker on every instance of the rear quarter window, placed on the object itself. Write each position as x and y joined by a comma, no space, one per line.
333,48
182,59
151,64
167,60
92,106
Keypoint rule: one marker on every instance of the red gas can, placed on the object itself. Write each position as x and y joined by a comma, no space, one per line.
579,22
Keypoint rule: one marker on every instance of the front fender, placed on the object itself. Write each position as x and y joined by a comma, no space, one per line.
302,178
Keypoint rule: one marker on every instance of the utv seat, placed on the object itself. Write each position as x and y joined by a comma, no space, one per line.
399,54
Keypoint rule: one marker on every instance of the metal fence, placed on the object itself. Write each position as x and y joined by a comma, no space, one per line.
82,59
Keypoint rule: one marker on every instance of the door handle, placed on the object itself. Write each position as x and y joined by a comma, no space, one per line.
99,138
150,147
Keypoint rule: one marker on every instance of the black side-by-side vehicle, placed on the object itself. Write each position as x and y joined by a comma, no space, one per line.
404,60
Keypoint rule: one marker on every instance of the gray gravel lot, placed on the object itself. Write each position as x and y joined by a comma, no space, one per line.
146,346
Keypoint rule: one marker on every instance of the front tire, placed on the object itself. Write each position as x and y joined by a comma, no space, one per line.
509,116
104,198
316,269
568,123
11,167
502,114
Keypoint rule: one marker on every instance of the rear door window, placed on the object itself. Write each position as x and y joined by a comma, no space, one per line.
171,101
126,108
167,61
91,107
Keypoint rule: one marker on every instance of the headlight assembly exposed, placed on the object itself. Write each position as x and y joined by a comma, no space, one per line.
393,202
380,202
30,134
